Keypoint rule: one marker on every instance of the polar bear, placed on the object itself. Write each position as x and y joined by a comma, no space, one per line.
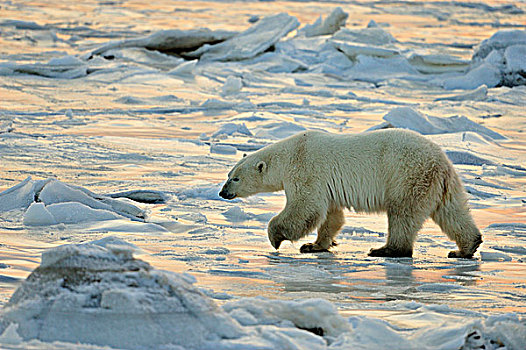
395,171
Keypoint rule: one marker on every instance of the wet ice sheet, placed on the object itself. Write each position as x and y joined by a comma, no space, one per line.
144,120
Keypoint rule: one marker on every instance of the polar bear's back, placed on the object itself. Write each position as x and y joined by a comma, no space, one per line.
372,170
375,150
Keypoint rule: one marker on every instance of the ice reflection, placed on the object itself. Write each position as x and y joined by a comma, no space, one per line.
317,273
334,273
399,272
464,273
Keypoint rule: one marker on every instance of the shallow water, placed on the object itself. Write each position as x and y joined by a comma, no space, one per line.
132,125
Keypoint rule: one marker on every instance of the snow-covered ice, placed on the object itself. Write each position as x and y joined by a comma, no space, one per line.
98,293
120,120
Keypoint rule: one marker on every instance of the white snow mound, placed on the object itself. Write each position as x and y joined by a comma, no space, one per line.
97,293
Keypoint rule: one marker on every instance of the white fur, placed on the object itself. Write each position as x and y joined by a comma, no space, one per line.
394,171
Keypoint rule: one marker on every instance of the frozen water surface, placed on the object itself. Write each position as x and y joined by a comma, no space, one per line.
119,120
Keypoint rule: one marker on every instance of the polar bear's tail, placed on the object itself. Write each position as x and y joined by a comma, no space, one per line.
453,216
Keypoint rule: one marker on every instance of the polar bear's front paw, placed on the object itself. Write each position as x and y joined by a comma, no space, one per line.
276,241
312,248
275,238
391,252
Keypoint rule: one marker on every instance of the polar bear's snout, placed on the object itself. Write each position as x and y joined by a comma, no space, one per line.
225,193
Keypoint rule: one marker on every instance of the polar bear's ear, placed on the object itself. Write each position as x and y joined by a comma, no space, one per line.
261,166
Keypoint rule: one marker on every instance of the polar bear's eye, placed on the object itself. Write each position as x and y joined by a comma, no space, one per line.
236,179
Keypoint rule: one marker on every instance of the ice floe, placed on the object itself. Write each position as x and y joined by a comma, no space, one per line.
222,149
142,196
371,35
232,85
210,192
184,70
50,202
478,94
354,50
67,67
332,23
378,65
21,195
231,129
38,214
277,130
236,214
483,74
277,62
433,63
464,157
255,40
497,61
408,118
145,57
170,41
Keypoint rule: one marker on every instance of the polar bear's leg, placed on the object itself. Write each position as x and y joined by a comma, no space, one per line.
456,222
299,217
402,230
326,232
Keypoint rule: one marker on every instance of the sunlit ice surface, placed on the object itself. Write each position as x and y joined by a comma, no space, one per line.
128,120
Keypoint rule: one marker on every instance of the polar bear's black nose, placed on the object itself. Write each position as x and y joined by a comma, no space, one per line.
226,195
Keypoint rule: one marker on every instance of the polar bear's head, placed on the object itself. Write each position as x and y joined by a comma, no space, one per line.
248,177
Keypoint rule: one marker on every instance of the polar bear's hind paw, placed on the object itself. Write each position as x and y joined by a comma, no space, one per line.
312,248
